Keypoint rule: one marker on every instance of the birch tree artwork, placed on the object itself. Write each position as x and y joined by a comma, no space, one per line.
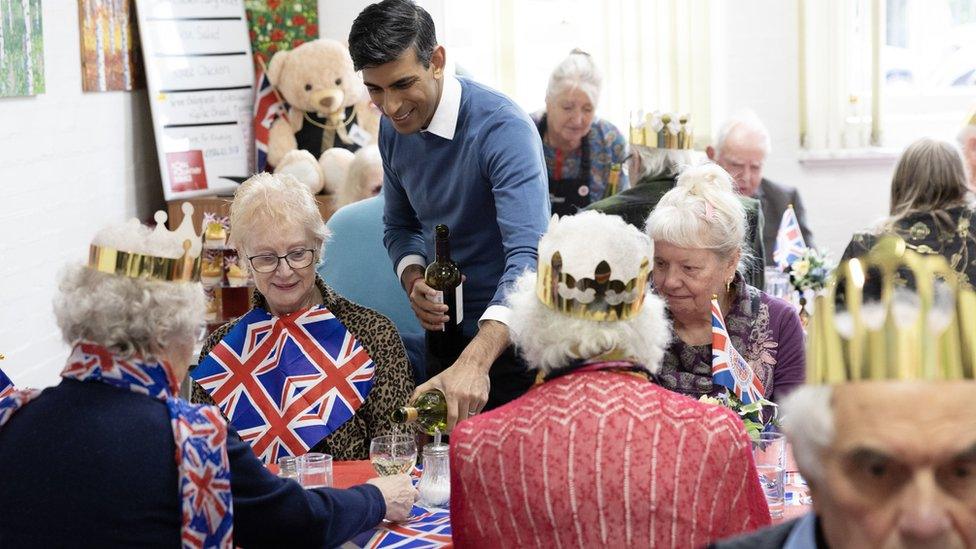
110,58
21,48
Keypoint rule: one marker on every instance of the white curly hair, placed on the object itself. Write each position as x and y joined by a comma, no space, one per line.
549,340
267,202
127,315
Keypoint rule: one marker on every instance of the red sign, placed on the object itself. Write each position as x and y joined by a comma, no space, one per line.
186,172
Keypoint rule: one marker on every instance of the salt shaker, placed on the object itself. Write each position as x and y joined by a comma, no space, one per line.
435,482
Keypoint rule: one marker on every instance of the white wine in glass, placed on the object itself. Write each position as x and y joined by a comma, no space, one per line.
393,454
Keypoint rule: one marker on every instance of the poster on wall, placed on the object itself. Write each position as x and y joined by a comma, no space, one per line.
110,59
276,25
21,48
200,79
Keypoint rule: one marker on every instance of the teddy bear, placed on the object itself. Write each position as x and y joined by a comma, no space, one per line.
363,178
329,115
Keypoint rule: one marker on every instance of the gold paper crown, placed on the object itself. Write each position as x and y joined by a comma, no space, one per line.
893,314
185,268
600,298
971,121
664,131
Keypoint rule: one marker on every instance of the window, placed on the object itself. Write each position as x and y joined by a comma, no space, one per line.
882,73
928,68
644,48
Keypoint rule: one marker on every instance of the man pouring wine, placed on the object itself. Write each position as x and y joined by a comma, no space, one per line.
463,155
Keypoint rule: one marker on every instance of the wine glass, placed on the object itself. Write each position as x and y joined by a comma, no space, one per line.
393,454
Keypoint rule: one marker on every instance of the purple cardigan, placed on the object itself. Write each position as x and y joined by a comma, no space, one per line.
765,330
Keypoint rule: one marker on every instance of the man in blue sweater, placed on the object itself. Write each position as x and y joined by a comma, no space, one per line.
458,153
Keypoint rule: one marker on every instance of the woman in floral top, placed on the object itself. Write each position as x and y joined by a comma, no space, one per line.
698,230
580,149
931,208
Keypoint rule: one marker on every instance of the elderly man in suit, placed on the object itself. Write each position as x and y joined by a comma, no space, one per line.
654,171
885,438
741,148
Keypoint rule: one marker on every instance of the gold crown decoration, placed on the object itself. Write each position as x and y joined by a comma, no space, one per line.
971,121
894,314
664,131
185,268
600,298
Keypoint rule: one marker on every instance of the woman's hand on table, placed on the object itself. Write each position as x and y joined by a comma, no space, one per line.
399,495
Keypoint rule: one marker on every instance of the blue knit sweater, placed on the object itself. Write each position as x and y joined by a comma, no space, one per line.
488,184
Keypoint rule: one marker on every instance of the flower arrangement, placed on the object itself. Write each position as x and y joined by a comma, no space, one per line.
751,414
810,271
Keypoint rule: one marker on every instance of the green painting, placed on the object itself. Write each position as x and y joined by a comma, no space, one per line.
277,25
21,48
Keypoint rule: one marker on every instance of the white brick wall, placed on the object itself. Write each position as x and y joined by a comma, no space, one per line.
69,163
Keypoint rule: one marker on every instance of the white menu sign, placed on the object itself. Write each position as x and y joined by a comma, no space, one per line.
201,91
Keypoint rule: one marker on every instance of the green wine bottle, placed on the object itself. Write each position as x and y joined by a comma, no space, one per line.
429,413
444,275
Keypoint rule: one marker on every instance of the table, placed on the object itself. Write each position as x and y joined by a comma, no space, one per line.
426,528
431,528
797,493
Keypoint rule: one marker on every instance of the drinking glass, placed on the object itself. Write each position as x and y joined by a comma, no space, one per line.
393,454
770,455
315,470
777,283
288,468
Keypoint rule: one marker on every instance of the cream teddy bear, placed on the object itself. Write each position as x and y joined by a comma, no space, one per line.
329,114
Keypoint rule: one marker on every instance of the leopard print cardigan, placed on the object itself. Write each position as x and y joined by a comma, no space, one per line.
393,381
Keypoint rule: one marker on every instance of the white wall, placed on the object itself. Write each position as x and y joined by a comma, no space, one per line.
758,69
70,162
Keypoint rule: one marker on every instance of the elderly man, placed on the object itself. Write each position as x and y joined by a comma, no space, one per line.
741,148
967,141
655,171
596,455
890,458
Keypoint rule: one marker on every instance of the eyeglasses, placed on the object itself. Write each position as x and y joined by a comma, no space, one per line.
268,263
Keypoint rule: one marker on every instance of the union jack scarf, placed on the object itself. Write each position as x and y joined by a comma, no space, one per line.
199,432
6,386
287,382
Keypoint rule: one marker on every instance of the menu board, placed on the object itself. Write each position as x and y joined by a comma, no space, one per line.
201,92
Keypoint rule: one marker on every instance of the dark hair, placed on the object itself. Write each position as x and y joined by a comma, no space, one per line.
383,31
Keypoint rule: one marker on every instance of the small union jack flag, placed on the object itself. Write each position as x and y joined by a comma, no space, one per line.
287,382
6,386
425,529
789,240
729,369
268,106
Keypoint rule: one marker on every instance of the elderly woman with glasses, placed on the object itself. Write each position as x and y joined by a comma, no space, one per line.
112,457
305,369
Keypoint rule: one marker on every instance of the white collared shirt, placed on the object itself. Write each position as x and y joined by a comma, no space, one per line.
444,121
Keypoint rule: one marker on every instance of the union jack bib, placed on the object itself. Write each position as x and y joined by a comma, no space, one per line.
287,382
199,432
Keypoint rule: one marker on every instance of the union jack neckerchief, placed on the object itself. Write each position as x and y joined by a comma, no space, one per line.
287,382
199,431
